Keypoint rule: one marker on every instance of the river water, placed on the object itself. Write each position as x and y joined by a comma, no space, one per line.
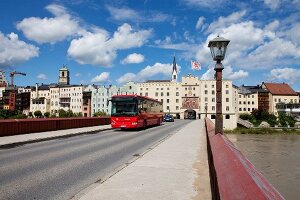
277,157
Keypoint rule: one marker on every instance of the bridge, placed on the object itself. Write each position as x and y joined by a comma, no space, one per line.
184,160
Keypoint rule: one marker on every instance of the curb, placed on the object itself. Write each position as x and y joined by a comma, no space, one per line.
16,144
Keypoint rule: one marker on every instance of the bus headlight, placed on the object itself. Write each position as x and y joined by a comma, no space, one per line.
134,123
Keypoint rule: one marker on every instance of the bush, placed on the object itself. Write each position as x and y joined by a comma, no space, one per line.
246,116
99,114
37,113
47,114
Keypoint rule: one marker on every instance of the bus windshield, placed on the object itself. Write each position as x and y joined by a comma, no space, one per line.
124,108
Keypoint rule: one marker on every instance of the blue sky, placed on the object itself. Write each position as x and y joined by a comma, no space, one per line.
111,42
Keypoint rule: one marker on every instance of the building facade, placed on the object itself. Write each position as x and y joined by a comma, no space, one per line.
280,93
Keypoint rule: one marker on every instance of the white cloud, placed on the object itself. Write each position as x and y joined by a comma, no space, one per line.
289,75
104,76
226,21
293,33
272,26
14,51
126,77
133,58
273,53
200,23
164,70
273,4
167,44
77,75
42,77
264,49
50,30
231,75
203,3
97,48
127,14
228,73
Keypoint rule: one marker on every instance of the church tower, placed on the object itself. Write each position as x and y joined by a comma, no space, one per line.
174,72
64,76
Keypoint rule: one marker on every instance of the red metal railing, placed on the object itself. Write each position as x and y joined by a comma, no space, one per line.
23,126
233,176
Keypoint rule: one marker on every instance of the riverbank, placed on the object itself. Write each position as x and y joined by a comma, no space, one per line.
262,131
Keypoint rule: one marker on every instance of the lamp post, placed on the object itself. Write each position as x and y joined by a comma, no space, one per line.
205,109
218,48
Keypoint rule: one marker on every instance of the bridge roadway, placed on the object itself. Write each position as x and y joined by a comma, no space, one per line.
165,162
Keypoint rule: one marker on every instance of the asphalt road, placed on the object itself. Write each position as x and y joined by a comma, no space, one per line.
59,169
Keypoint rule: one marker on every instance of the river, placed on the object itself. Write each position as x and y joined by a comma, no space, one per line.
277,157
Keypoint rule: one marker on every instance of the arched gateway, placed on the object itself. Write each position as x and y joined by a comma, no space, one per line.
190,114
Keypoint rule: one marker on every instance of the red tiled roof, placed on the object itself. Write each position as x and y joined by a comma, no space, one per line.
280,89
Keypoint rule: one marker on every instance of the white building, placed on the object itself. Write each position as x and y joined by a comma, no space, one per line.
40,99
70,98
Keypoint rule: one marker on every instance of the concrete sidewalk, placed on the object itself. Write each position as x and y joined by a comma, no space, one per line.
34,137
175,169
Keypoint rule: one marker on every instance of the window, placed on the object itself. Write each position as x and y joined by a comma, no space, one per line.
227,108
156,94
248,109
213,100
177,107
141,94
227,91
168,100
240,102
168,108
205,99
205,91
227,99
252,102
168,94
227,86
161,94
177,93
244,109
227,116
213,108
213,116
240,109
177,100
146,94
141,88
129,87
205,86
212,92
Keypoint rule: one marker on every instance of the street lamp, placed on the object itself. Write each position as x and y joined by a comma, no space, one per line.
205,109
218,48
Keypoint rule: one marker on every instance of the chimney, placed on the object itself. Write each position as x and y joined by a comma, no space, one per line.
36,90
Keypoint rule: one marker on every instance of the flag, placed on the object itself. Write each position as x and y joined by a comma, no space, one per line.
195,65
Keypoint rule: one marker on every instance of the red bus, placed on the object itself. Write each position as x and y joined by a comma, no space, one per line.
134,111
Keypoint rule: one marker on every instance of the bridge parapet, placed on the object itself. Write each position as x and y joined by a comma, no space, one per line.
232,175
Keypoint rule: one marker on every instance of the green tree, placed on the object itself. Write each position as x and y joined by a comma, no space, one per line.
47,114
37,113
100,113
30,114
